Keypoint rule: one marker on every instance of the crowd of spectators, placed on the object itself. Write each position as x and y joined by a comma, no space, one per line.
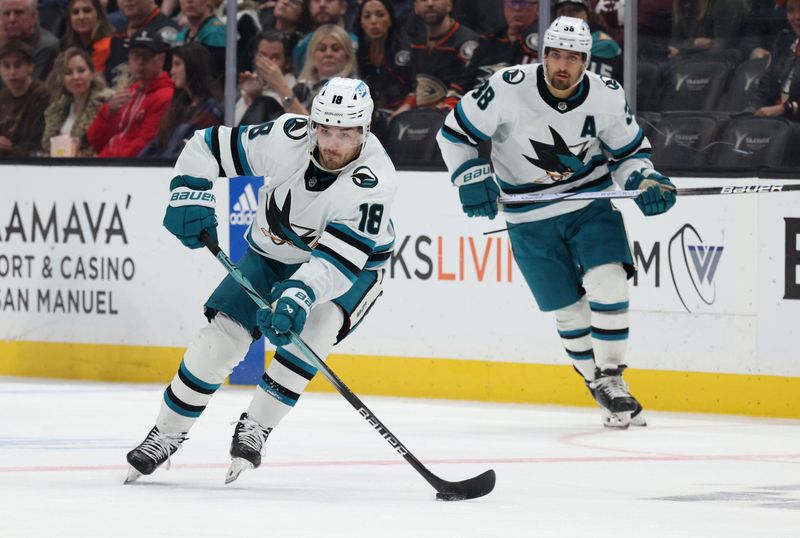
128,78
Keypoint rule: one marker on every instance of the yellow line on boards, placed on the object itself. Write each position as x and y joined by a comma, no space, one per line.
696,392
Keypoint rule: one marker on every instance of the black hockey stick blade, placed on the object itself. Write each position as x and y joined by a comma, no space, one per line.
472,488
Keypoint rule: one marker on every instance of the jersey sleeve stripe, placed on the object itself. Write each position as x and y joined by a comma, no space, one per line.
377,259
345,267
379,256
621,152
383,248
248,171
212,140
454,136
235,153
467,126
345,234
642,154
345,250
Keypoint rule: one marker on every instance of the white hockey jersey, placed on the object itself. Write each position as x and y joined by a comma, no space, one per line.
338,223
541,144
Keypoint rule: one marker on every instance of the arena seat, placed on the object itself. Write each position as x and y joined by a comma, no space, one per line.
411,139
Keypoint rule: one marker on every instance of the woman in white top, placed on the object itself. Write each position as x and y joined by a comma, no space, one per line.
80,92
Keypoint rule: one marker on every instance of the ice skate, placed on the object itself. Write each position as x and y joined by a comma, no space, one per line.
156,448
619,408
611,420
247,447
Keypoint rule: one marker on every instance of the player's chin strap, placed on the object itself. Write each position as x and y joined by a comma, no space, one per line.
471,488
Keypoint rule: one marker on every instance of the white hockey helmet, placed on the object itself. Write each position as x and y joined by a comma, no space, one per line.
569,33
342,102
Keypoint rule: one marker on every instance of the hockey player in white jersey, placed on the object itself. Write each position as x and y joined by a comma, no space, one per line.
555,127
317,247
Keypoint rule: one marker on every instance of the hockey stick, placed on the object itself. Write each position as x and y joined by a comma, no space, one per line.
446,491
514,199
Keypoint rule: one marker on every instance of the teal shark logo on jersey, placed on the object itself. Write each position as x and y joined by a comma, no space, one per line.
282,231
556,159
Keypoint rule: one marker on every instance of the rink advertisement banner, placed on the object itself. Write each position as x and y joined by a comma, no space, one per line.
85,260
710,272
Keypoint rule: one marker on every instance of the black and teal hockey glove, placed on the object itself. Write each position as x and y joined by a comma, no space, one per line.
477,188
291,302
658,192
191,210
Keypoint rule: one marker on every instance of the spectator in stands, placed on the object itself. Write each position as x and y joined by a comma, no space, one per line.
286,16
143,15
130,120
438,55
52,16
195,103
483,16
654,29
383,55
79,95
330,54
267,88
205,28
513,43
706,25
606,57
612,15
778,91
321,12
766,20
22,101
89,29
20,20
383,60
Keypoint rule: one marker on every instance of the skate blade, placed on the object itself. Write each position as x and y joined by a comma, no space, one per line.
617,421
133,475
238,465
638,420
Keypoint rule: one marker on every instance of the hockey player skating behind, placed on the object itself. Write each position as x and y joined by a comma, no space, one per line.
316,248
555,128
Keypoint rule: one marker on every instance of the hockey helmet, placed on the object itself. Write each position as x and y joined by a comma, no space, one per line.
342,102
569,33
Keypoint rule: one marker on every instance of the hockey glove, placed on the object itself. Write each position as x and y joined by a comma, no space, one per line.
191,210
477,188
291,302
658,192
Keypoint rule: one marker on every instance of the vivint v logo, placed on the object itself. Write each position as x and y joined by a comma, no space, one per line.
244,210
693,264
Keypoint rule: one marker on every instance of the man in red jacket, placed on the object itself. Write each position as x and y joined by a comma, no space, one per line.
129,120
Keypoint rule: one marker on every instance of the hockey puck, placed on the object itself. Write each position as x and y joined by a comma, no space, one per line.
447,496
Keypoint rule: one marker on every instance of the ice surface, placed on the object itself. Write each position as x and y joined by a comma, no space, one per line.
329,474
